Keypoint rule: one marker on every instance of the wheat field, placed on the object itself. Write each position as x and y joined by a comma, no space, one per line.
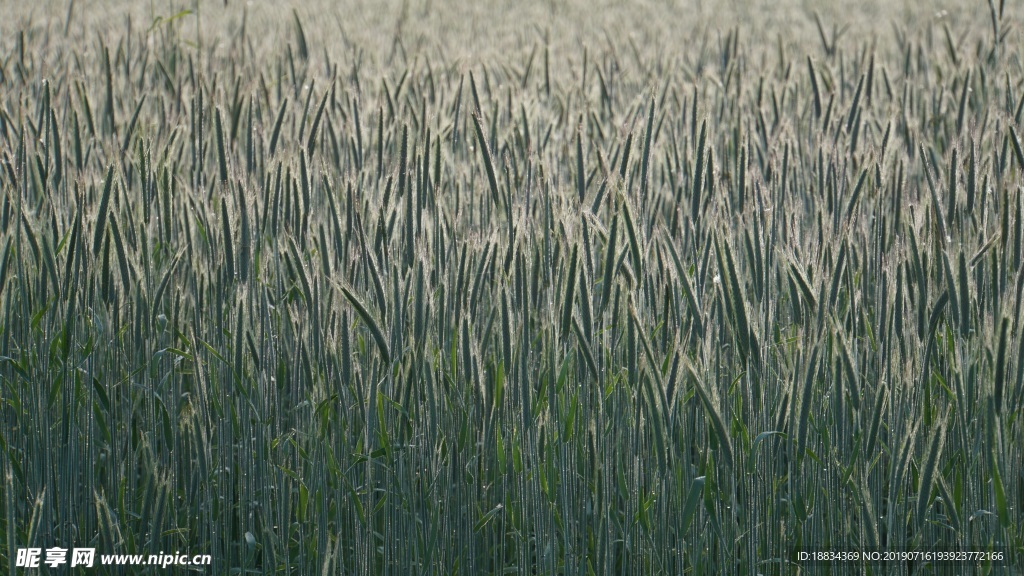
430,287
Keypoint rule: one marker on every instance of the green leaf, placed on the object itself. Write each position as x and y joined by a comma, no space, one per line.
1000,495
486,518
752,457
693,498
